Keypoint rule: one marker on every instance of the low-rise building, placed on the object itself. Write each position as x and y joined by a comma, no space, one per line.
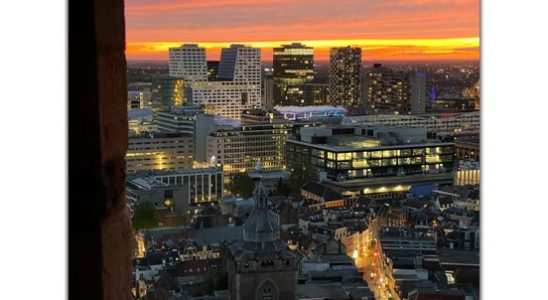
468,148
140,121
178,119
271,179
203,185
442,124
165,198
399,239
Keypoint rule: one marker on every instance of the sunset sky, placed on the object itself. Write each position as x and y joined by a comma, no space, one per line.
385,29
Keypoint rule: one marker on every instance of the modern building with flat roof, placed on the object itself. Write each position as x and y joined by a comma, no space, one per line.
400,239
309,112
365,160
293,66
468,148
140,121
178,119
159,151
445,124
204,185
237,145
239,148
161,195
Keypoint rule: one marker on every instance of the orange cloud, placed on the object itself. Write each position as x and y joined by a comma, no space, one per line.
387,29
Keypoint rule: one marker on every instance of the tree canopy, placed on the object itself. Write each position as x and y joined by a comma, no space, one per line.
144,216
241,185
299,176
282,188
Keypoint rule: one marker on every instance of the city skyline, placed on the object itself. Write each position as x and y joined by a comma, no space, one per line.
391,30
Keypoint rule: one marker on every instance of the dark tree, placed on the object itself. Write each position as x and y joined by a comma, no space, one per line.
144,216
299,176
241,185
282,189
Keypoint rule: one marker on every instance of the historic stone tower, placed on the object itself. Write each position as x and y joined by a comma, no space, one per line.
261,266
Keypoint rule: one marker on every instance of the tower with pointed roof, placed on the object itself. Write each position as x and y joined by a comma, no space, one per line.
261,266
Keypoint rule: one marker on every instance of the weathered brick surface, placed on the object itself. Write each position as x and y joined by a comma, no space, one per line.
99,228
116,252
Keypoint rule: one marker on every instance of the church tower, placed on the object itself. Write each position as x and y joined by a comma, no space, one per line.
261,267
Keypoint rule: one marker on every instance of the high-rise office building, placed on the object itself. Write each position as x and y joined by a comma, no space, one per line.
386,90
240,64
417,85
188,62
293,66
267,89
344,75
395,92
238,86
316,93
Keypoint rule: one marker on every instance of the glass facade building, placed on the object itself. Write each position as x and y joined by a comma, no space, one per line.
367,159
293,66
376,161
168,91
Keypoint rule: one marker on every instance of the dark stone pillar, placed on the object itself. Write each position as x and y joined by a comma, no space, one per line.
99,225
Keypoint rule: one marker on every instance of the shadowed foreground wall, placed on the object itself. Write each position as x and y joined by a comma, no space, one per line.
99,225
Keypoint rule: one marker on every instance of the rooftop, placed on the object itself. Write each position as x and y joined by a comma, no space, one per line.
160,135
364,137
185,171
459,257
145,183
208,235
321,291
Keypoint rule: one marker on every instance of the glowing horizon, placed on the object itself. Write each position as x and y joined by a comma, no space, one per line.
385,30
395,49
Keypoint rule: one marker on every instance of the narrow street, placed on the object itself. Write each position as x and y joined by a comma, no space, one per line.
369,261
